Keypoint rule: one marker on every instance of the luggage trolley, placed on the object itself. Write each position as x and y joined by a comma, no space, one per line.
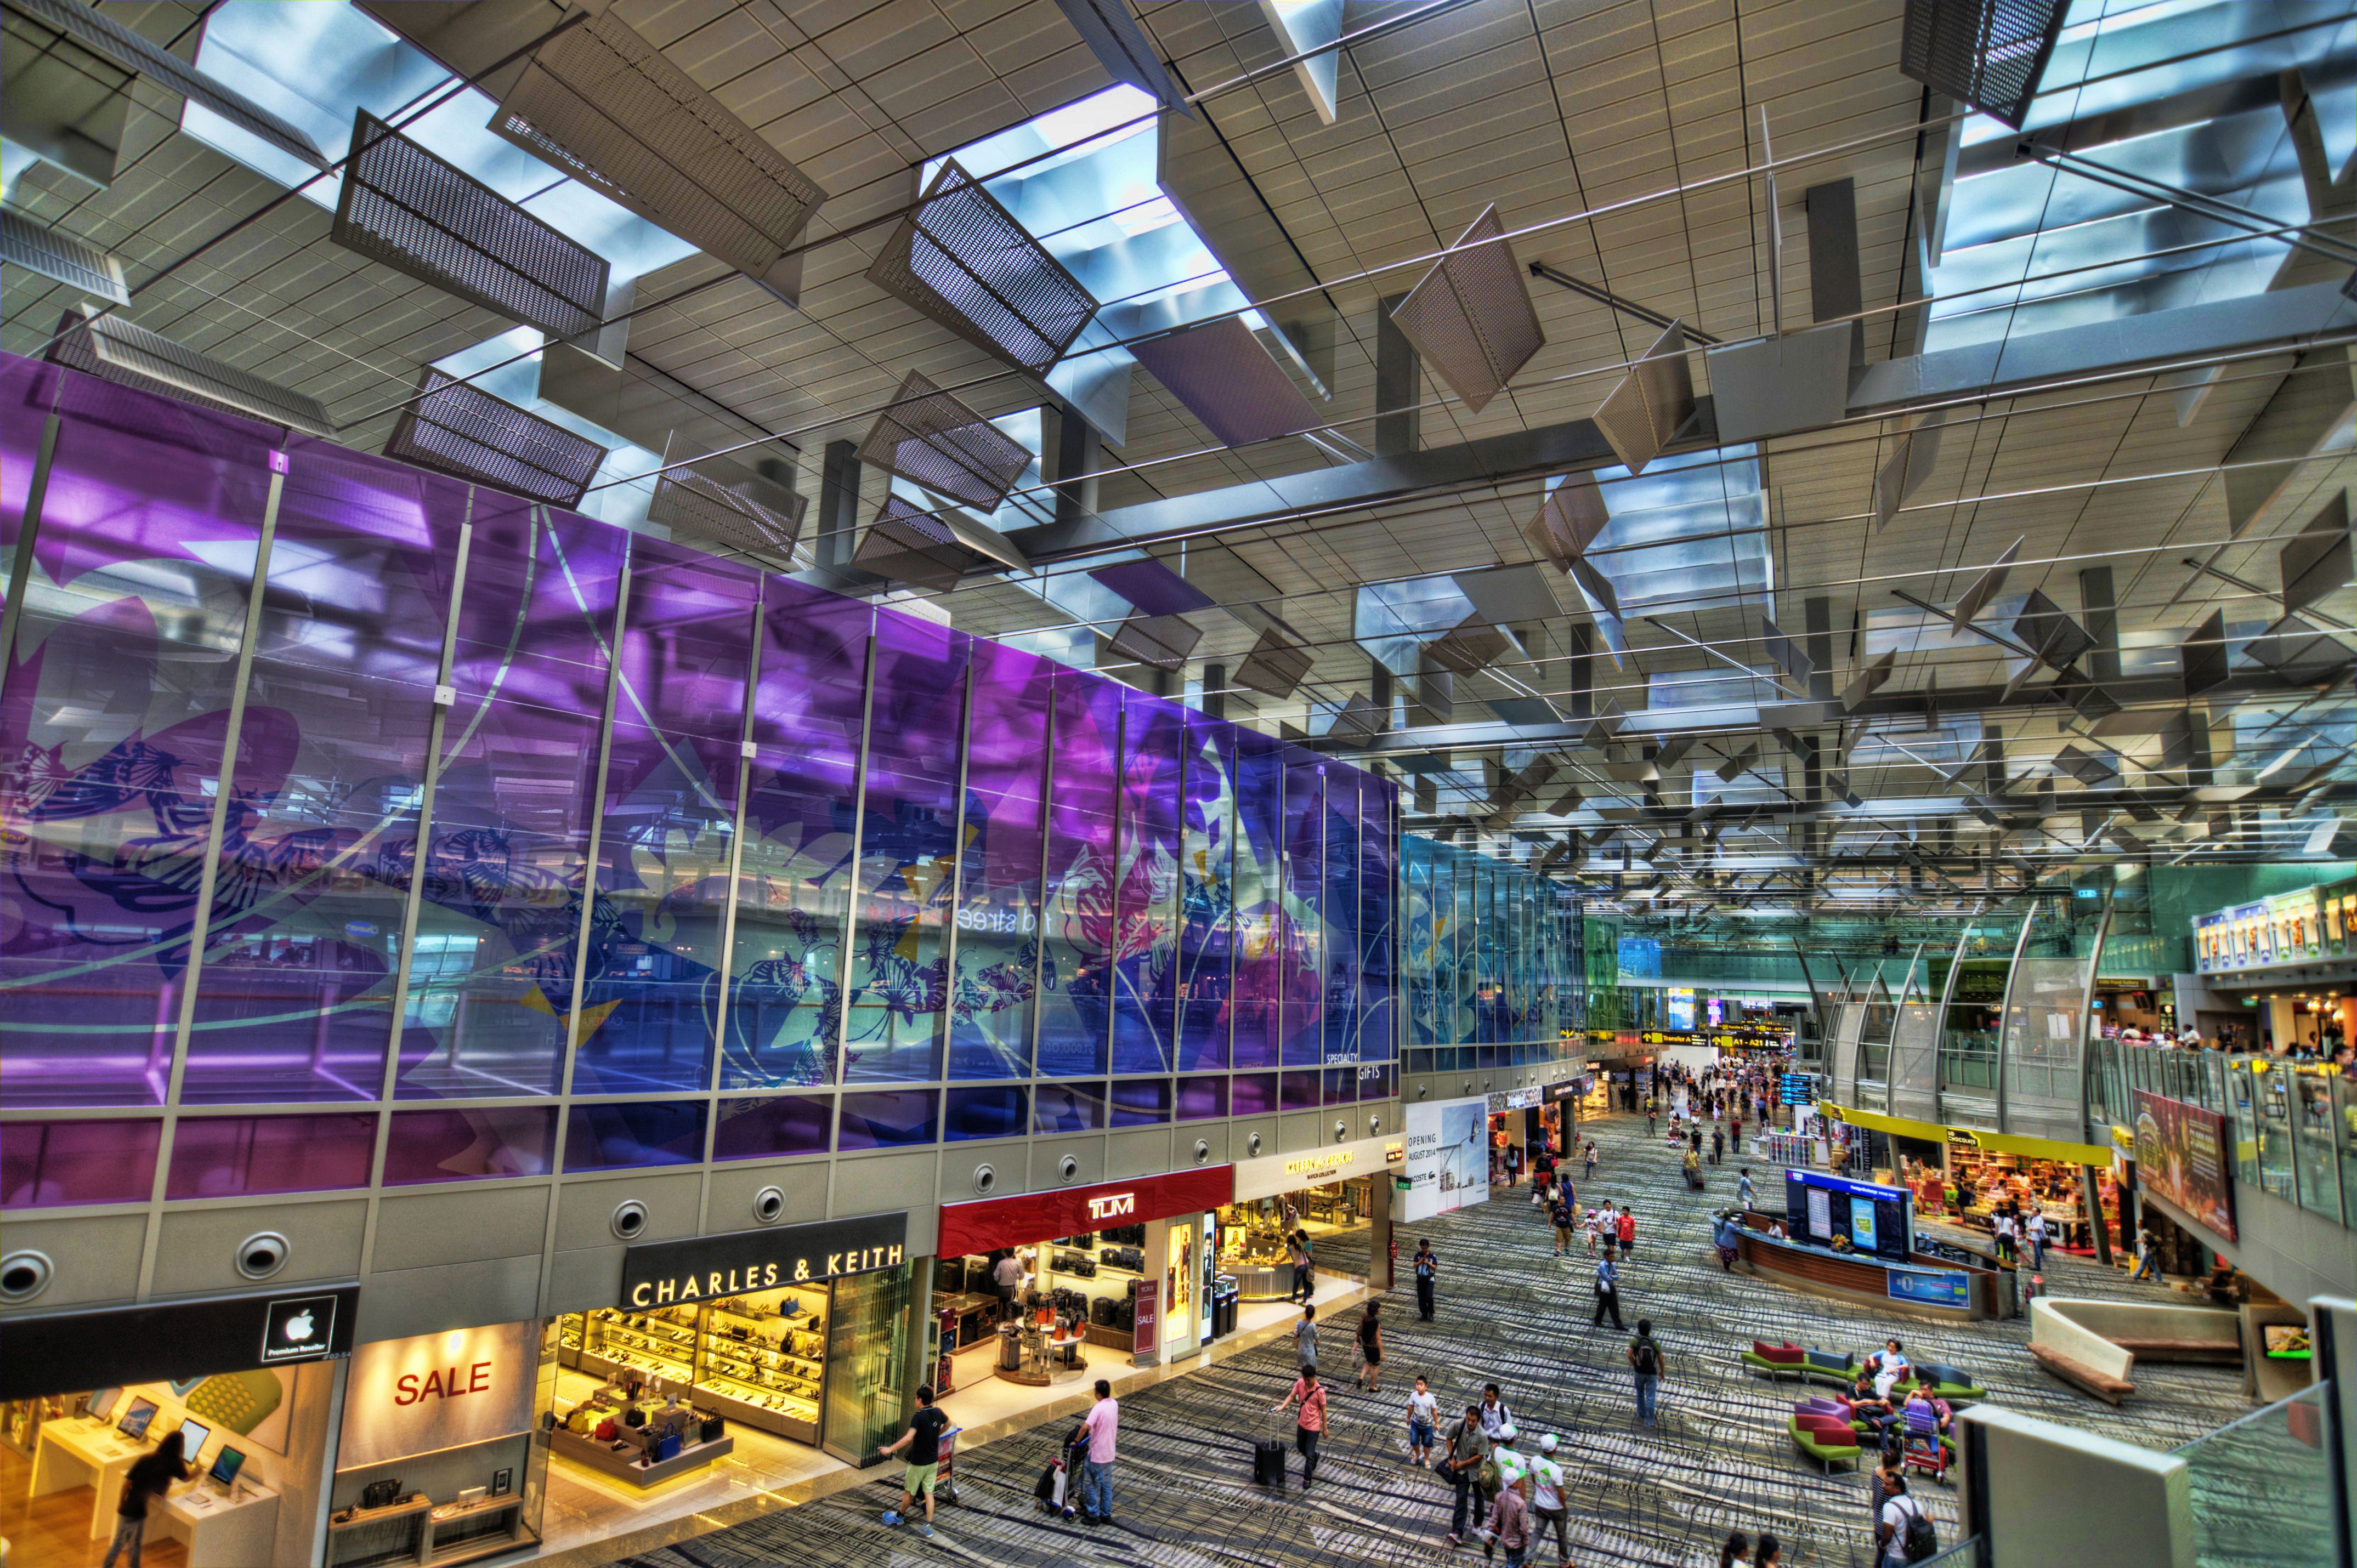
944,1480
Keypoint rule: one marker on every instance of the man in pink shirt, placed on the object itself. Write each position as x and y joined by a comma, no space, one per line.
1102,1424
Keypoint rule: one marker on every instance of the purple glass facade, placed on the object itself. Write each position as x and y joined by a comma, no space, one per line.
477,802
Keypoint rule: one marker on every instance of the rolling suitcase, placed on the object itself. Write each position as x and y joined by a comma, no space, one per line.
1101,1312
1268,1460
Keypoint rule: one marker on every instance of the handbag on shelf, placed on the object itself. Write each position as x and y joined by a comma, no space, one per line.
606,1429
666,1447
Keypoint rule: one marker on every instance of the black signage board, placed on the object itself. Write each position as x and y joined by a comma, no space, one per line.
173,1341
665,1274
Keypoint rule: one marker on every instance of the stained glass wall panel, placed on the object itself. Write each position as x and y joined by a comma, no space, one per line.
1300,934
998,893
1340,907
1145,902
1206,893
1260,964
1084,784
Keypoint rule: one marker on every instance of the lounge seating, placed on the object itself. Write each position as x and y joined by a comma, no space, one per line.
1825,1439
2104,1386
1948,1382
1838,1368
1776,1360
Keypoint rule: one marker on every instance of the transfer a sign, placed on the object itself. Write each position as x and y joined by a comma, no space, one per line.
668,1272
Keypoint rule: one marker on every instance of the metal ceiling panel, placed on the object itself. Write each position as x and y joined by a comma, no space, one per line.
1469,647
908,544
1274,667
1508,595
1568,523
604,105
114,349
1868,681
1227,379
1990,584
2202,656
1470,317
1772,385
2044,628
1122,46
1785,652
111,40
1987,53
1652,403
458,429
1153,587
426,217
963,260
61,258
2316,560
688,504
928,437
1162,642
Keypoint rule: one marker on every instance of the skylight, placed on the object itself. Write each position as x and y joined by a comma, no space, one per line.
316,64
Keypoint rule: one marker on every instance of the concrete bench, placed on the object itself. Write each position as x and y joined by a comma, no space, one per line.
2110,1390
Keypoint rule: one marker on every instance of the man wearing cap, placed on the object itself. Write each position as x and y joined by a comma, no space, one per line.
1546,1499
1510,1520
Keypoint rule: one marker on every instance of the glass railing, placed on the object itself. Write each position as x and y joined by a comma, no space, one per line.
2292,1125
1965,1553
2263,1488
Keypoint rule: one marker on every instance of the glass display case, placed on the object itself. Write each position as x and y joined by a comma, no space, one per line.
758,1357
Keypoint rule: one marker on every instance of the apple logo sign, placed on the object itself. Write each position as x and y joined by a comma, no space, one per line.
300,1330
299,1327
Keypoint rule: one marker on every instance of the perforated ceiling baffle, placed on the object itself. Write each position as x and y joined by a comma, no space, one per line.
1569,520
933,549
1229,381
1470,317
61,258
688,504
1469,647
604,105
114,349
930,437
1122,46
1159,642
1987,53
1652,402
427,218
460,430
1274,667
1152,587
1869,680
112,41
1908,465
963,260
2316,560
1990,584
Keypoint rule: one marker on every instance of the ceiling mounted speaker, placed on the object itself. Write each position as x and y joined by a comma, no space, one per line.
1161,642
61,258
629,1219
1228,381
427,218
1987,53
931,438
114,349
1122,46
769,1205
963,260
691,505
1470,317
119,46
461,430
604,105
1653,404
1274,667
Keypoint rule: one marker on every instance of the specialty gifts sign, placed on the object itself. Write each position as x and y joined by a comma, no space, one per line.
2180,1153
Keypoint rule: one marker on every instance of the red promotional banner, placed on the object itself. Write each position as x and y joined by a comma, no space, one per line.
970,1228
1149,1316
2181,1153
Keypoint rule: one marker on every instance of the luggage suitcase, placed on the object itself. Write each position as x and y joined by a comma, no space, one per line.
1101,1310
1124,1316
1268,1460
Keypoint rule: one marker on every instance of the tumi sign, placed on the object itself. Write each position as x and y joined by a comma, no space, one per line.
668,1272
972,1227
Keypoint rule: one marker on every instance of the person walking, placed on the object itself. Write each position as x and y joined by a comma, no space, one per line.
1428,1265
1304,1338
150,1478
1495,1416
1591,1172
1469,1451
1007,1276
1309,1424
1608,1294
1299,1263
1103,1425
2147,1258
1737,1551
1645,1360
1770,1553
1423,1424
1627,1235
1902,1523
2037,1231
1547,1508
1563,1218
1370,1348
923,1442
1508,1528
1743,1190
1717,1146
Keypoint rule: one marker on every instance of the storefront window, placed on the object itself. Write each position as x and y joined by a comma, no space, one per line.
868,1389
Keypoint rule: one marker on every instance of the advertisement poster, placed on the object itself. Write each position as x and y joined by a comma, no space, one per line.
1447,1161
405,1397
1932,1287
1861,1223
1149,1316
2180,1152
1820,1214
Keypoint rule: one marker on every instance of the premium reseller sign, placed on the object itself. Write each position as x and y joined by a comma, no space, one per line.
668,1272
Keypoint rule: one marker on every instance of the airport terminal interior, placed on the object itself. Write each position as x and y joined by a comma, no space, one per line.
1258,783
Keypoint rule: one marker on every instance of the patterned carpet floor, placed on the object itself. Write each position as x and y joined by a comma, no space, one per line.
1511,1313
